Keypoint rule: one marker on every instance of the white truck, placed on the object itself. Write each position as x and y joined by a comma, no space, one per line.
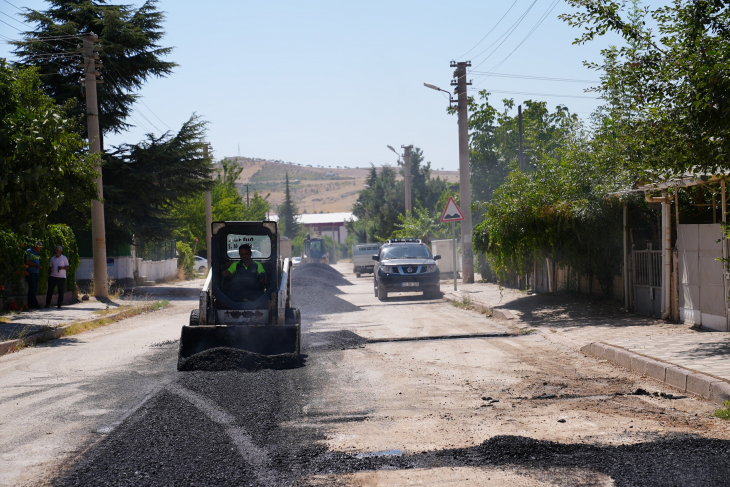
362,258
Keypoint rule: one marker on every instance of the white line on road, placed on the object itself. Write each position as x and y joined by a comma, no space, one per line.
251,453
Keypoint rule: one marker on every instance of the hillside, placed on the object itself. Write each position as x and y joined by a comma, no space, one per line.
315,189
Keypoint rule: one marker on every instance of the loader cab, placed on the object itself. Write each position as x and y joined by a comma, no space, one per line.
227,239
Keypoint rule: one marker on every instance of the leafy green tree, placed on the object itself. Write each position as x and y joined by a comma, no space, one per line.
130,51
42,159
677,76
144,182
288,213
226,205
229,171
422,224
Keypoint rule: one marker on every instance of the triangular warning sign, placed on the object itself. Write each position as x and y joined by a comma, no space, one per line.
452,213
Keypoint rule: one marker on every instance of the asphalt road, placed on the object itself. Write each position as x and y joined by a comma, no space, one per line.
376,401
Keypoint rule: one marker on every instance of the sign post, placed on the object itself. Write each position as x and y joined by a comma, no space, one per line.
452,214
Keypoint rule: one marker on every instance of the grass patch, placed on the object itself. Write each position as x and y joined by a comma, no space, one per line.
724,412
464,303
4,319
119,314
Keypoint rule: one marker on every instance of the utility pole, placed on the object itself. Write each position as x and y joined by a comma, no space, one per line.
407,176
519,123
208,216
98,231
467,269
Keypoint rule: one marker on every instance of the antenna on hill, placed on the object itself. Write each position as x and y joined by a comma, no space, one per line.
239,150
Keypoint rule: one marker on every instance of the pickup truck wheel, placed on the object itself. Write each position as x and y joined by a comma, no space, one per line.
382,294
195,317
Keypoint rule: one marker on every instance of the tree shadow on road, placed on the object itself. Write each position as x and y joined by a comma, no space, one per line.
571,310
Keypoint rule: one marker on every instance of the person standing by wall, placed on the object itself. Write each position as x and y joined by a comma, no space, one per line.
33,264
57,276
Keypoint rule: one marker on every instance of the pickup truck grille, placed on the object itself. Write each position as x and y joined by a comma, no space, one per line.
408,270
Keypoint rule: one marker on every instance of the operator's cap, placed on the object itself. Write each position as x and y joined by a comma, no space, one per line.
38,244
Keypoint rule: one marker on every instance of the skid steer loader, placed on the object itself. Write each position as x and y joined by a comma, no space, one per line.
314,251
233,314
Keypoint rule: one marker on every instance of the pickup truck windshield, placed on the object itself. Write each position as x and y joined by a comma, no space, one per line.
407,252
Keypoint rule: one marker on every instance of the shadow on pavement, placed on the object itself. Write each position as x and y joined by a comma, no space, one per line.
570,310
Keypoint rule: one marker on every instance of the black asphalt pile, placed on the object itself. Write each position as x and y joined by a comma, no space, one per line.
314,291
224,358
649,463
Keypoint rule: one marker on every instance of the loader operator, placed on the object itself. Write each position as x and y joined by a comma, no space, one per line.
248,277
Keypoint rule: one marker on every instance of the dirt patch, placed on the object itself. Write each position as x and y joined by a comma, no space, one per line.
223,358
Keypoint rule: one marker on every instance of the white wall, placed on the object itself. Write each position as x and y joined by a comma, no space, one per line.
123,268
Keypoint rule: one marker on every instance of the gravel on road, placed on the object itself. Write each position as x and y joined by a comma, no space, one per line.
257,428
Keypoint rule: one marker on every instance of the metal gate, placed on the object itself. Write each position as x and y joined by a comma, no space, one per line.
647,281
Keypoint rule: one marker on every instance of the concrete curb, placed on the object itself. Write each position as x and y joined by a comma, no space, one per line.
498,313
10,346
713,388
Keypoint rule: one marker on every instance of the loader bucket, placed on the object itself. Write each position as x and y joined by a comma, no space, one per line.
263,340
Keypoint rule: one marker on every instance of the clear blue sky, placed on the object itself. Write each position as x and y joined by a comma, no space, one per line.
332,82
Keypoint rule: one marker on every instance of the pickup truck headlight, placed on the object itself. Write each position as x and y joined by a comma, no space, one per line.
432,268
386,269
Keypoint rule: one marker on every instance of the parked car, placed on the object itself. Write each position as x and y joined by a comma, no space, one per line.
362,257
406,265
201,264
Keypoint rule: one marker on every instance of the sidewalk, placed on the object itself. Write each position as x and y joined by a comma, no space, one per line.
28,323
580,320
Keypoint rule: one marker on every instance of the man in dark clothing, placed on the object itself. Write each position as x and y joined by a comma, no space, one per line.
33,264
249,277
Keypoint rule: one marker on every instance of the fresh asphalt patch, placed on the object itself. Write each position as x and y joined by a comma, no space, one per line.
252,428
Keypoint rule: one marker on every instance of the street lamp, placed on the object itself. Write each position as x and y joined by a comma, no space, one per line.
367,219
434,87
406,173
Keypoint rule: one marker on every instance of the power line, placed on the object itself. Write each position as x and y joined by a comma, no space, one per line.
490,31
141,101
524,76
153,113
539,22
506,35
6,1
8,15
9,25
536,94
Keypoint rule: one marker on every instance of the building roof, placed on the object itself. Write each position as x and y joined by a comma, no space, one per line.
320,218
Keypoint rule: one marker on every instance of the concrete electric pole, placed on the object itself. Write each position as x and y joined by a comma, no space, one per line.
519,123
467,268
407,177
98,232
208,215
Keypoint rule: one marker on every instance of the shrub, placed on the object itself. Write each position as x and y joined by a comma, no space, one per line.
185,259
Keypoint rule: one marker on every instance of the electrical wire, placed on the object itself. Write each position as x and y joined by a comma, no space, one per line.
536,94
9,25
506,35
539,22
141,101
490,31
6,1
524,76
8,15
